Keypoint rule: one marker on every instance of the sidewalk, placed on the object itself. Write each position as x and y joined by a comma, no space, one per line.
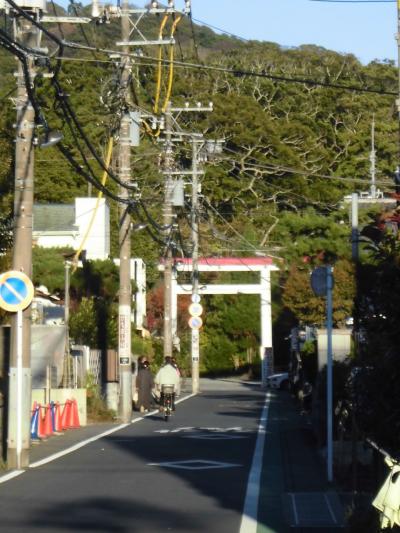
295,495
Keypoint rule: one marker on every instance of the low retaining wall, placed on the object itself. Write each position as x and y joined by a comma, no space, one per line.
43,397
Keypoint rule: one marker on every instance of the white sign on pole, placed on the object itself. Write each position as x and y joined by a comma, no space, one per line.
195,344
195,309
124,340
195,322
195,298
16,291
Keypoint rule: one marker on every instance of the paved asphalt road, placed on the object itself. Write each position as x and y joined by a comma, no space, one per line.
188,474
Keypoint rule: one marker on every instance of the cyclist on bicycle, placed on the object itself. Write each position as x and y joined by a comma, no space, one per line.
168,375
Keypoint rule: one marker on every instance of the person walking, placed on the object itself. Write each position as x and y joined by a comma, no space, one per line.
144,386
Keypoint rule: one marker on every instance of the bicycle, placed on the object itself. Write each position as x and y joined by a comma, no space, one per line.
167,400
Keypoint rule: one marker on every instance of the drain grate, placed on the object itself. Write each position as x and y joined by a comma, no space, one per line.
313,509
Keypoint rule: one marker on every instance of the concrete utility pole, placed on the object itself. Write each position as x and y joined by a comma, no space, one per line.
168,211
168,220
372,159
67,356
195,345
398,66
125,291
354,227
28,35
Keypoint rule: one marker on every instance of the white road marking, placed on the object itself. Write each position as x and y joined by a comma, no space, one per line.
296,515
330,508
195,464
11,475
211,430
214,436
250,508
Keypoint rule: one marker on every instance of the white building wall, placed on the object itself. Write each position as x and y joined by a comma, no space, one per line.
97,244
56,240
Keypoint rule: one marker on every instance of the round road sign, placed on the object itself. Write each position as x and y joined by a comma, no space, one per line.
195,322
195,298
195,309
16,291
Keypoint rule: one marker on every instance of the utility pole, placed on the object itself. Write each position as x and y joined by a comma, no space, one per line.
168,220
168,212
29,36
372,159
354,227
329,372
67,356
195,344
398,69
125,291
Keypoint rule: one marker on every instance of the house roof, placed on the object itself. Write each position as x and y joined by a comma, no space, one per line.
54,217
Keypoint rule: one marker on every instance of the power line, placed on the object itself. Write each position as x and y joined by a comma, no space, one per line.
226,32
355,1
241,73
310,174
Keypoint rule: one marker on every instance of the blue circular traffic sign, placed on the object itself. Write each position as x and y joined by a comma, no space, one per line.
195,322
16,291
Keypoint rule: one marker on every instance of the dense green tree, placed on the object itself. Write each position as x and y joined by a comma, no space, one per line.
309,309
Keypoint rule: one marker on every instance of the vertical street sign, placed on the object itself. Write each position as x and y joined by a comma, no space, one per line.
16,293
322,284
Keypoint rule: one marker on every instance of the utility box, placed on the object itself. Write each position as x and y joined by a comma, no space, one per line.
134,128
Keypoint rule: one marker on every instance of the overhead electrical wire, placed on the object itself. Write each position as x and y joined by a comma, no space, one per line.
68,112
70,118
74,7
196,47
22,53
310,174
356,1
243,73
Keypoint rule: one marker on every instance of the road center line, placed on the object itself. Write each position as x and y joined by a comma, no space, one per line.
250,508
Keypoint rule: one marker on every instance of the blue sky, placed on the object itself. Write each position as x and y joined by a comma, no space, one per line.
365,29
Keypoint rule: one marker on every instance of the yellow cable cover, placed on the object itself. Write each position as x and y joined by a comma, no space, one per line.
159,68
171,65
99,196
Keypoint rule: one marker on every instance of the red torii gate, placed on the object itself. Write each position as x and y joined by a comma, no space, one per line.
263,265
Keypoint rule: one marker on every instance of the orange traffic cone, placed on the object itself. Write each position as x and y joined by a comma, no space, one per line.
57,418
65,414
48,425
40,430
74,415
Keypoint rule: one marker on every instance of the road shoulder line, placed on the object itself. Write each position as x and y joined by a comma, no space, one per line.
250,509
81,444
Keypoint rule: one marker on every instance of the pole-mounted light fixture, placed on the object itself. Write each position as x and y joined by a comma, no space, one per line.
50,138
